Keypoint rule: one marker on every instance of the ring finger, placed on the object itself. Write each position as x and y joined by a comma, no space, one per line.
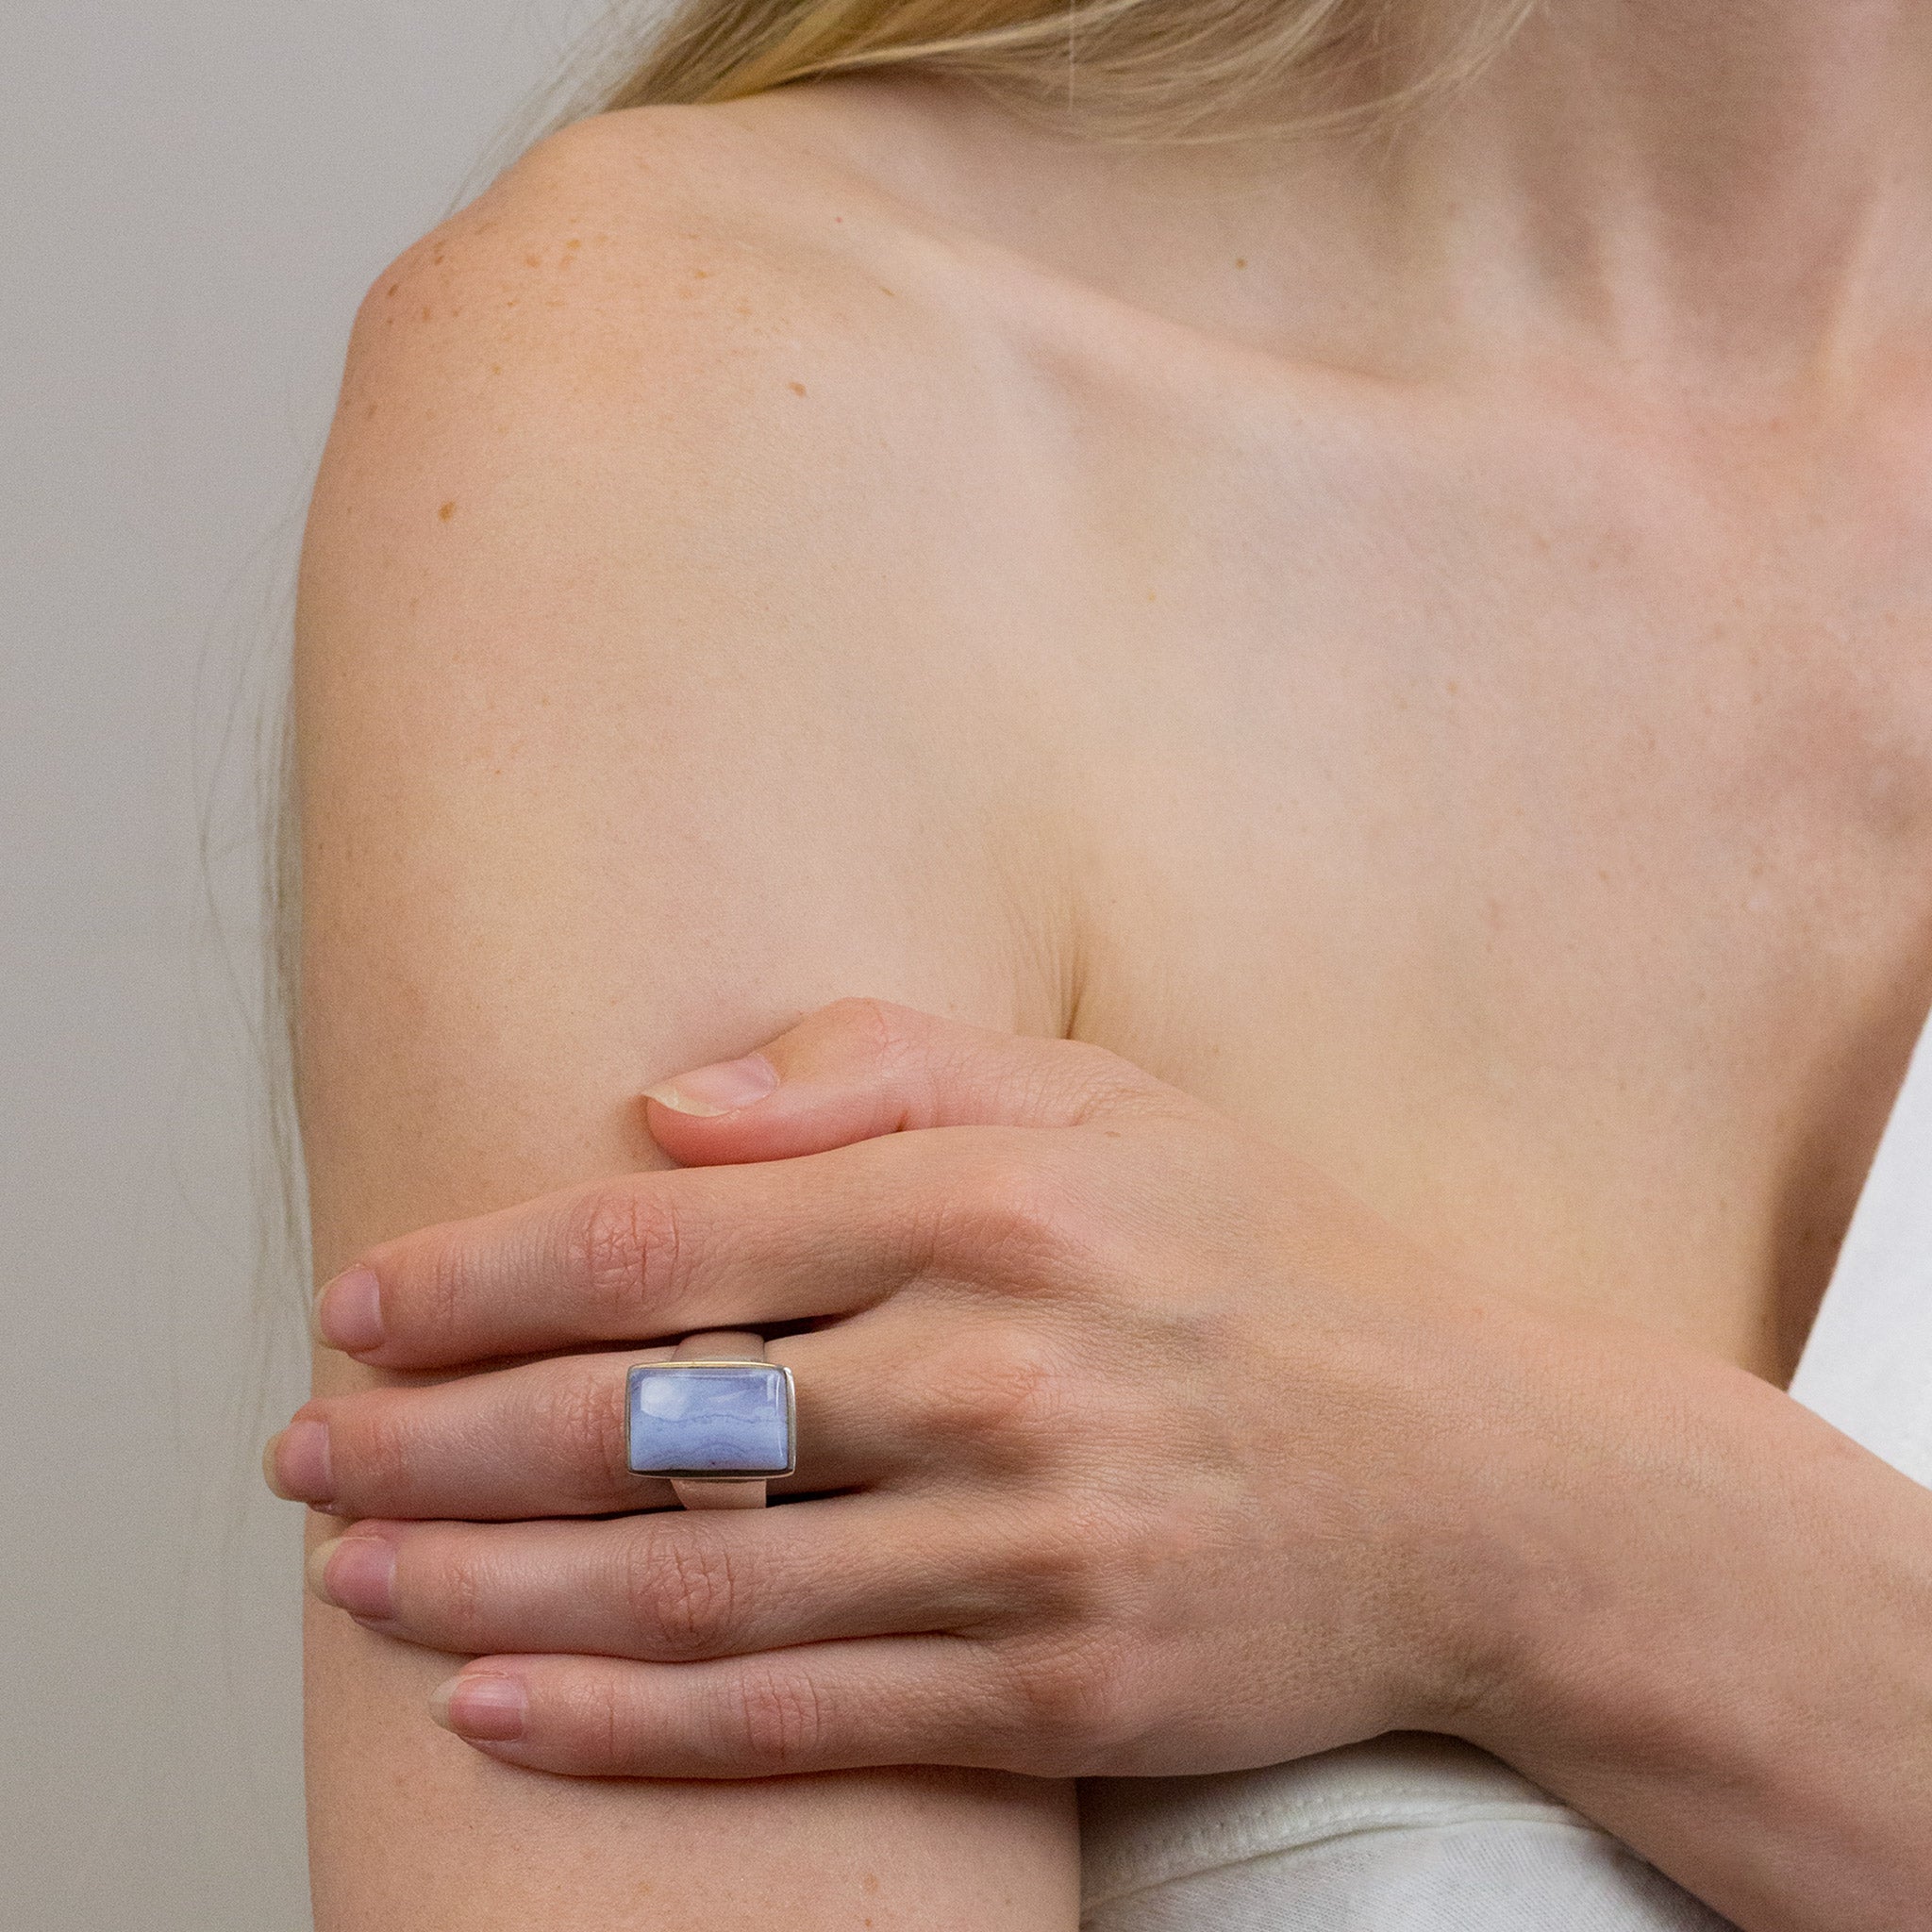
551,1439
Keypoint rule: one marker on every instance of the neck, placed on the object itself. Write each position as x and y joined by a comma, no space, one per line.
1693,184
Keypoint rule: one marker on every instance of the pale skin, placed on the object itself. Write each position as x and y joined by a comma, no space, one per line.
1424,663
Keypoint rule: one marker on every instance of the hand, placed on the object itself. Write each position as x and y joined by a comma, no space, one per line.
1131,1444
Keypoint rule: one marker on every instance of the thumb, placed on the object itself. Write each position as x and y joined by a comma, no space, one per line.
860,1067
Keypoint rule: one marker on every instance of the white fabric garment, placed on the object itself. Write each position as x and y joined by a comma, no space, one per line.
1419,1834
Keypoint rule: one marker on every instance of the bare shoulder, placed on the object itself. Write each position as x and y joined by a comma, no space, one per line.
674,279
634,611
705,364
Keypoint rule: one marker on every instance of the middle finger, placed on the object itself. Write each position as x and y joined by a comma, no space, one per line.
640,1256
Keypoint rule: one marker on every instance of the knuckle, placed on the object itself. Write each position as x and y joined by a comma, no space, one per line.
1051,1573
1095,1568
889,1033
683,1589
881,1020
1008,1390
437,1282
622,1246
774,1717
373,1442
457,1588
1106,1082
1018,1212
1074,1698
598,1722
579,1419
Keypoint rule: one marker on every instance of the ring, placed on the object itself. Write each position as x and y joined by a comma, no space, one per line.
716,1419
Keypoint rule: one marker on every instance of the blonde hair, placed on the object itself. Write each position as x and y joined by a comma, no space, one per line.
1136,70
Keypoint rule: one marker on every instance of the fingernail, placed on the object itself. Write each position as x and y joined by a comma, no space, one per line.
490,1710
357,1574
721,1088
296,1463
348,1311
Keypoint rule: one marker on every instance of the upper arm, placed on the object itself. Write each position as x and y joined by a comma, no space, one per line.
599,778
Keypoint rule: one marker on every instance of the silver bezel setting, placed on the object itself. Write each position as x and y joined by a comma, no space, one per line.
714,1361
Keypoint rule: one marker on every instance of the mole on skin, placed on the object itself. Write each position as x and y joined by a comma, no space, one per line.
447,511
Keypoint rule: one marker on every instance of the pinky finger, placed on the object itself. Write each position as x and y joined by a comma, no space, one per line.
815,1707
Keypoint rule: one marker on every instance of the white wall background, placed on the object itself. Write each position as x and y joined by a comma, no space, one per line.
193,199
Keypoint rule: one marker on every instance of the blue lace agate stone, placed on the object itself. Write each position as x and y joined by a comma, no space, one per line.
709,1419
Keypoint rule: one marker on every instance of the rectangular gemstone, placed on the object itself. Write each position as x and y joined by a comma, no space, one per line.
710,1419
